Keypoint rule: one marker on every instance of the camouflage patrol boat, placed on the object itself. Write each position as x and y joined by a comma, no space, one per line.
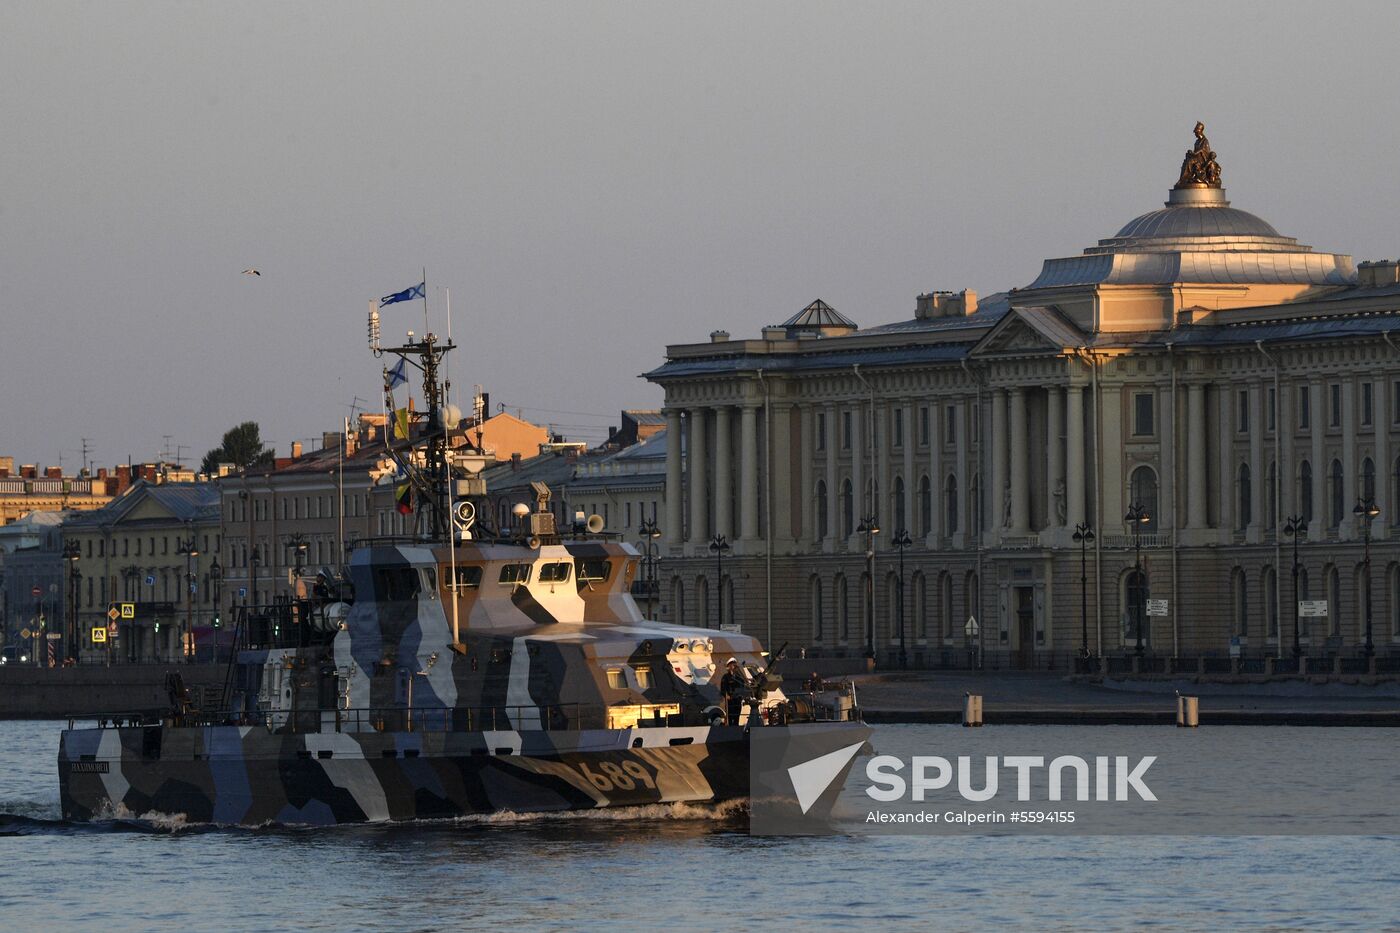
462,671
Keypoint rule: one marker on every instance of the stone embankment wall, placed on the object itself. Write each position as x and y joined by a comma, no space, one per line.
57,693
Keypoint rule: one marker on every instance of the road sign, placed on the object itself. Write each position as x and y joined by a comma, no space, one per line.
114,613
971,628
1312,608
128,610
36,590
99,634
730,627
242,592
25,633
150,579
54,636
1156,607
111,630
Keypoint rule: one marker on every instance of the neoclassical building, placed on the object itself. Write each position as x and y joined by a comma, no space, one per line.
1198,368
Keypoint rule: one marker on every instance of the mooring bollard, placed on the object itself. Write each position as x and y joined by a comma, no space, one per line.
972,710
1188,711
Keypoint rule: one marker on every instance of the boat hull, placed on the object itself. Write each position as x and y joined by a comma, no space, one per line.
247,775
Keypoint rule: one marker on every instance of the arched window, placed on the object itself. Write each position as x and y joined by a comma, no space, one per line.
950,505
818,616
702,602
1243,497
945,611
1368,480
1134,591
897,504
1305,500
823,522
843,608
1142,490
1334,601
920,604
1269,583
925,506
1334,496
1241,598
847,510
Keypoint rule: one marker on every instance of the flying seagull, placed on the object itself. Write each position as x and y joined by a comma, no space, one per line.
251,272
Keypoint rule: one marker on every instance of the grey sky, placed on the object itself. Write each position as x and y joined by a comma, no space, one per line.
593,181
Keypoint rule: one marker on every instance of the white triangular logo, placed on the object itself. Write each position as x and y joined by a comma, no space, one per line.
811,778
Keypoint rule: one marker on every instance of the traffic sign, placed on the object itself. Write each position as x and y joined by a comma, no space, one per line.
25,633
36,590
1157,607
1312,608
150,579
111,629
114,613
99,634
971,628
54,636
242,592
128,610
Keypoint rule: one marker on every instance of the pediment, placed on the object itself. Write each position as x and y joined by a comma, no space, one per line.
1025,331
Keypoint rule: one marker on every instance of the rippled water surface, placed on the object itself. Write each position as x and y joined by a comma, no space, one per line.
671,868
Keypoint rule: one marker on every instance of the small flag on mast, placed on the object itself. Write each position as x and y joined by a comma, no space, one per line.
408,294
400,425
396,377
403,498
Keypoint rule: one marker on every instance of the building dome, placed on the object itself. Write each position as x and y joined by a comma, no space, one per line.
1175,222
1197,219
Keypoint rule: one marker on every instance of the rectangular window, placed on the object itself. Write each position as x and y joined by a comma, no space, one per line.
821,431
1305,406
616,680
1366,403
950,425
593,569
1270,416
1142,415
1335,391
554,573
1243,421
513,574
845,430
924,412
898,430
629,515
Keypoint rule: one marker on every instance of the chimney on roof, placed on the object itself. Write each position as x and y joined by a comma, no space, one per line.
945,304
296,449
1378,274
53,472
515,461
29,471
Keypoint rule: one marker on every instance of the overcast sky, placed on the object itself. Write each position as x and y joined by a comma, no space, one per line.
594,181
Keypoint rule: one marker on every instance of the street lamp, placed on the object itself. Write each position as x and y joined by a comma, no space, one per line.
870,528
1083,534
188,548
216,579
72,552
1295,527
650,550
1365,511
900,542
1137,516
718,546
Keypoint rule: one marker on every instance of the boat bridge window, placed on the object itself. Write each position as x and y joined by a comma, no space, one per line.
593,570
643,677
468,578
395,584
515,574
430,581
554,573
616,680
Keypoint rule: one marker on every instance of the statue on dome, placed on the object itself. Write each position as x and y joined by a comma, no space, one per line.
1199,169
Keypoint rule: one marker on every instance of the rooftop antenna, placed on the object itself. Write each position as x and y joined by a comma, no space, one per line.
87,451
179,458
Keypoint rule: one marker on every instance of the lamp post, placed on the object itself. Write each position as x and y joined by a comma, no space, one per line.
131,574
1137,517
1365,511
216,579
1295,527
1083,534
870,528
900,542
718,545
190,550
650,549
71,554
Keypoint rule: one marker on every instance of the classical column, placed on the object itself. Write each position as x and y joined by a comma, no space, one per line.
675,492
1074,456
1169,480
882,438
806,458
1228,476
911,482
1019,453
779,435
858,454
935,472
962,458
833,476
1258,471
1381,421
1055,462
748,473
1317,426
695,460
724,476
1349,456
1197,514
995,492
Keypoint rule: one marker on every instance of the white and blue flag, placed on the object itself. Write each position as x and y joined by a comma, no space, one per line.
408,294
395,377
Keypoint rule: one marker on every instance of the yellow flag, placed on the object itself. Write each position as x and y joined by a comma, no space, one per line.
400,424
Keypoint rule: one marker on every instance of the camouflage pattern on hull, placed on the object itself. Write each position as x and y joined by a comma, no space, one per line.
248,775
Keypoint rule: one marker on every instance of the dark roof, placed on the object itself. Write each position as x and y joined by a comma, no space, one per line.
186,502
817,315
832,358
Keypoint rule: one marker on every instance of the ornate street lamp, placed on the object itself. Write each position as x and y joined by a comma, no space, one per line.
870,528
188,548
1365,512
1295,527
1137,517
72,552
216,580
900,542
650,535
1083,534
718,547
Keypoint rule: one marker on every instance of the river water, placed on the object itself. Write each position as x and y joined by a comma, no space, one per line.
677,868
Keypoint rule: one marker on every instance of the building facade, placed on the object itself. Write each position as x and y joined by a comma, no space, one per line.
1219,382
